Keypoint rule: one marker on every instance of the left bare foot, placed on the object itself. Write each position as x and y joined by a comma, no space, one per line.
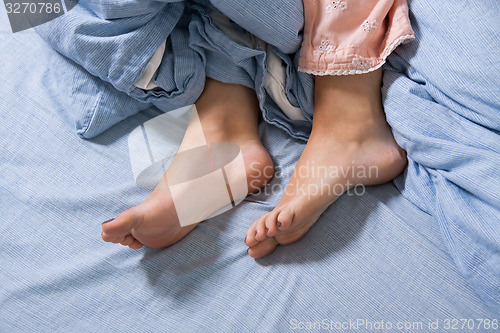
227,113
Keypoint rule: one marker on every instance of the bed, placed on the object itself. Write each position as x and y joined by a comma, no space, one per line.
419,253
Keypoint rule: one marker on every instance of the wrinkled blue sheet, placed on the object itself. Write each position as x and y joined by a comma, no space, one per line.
375,257
114,41
441,94
425,249
442,99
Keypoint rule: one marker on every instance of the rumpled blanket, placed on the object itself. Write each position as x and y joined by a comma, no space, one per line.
114,41
441,94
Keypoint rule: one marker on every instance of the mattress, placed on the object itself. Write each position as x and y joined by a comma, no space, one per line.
380,259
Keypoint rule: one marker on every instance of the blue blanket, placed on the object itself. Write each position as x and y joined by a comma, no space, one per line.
442,101
422,251
441,94
114,41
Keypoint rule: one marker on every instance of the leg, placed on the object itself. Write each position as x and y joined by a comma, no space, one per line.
350,144
228,113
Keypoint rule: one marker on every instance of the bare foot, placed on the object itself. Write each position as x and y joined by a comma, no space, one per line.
344,150
228,113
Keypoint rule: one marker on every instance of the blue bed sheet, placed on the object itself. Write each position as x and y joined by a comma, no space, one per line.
440,94
373,260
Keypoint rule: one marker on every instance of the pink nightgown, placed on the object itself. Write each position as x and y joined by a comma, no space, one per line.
343,37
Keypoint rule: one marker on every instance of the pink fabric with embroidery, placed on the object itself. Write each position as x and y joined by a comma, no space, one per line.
343,37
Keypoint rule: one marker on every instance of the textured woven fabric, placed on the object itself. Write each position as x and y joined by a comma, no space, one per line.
375,257
114,42
424,249
345,37
447,84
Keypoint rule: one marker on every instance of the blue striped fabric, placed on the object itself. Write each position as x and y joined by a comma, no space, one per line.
423,250
115,40
442,98
370,259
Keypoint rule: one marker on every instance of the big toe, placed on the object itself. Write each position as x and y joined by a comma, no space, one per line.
284,219
122,224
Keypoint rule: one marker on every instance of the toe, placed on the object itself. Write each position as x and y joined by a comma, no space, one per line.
136,245
284,219
111,239
123,223
251,232
107,238
263,248
271,223
260,228
127,240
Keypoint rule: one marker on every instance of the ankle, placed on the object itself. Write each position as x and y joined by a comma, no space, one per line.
228,134
344,131
224,127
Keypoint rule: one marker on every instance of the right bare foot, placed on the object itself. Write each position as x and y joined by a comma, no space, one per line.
228,113
351,144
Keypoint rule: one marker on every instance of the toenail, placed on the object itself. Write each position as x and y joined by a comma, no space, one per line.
279,224
108,221
245,239
255,233
267,231
247,250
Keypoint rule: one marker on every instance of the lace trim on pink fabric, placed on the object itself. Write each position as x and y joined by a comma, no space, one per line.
360,62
